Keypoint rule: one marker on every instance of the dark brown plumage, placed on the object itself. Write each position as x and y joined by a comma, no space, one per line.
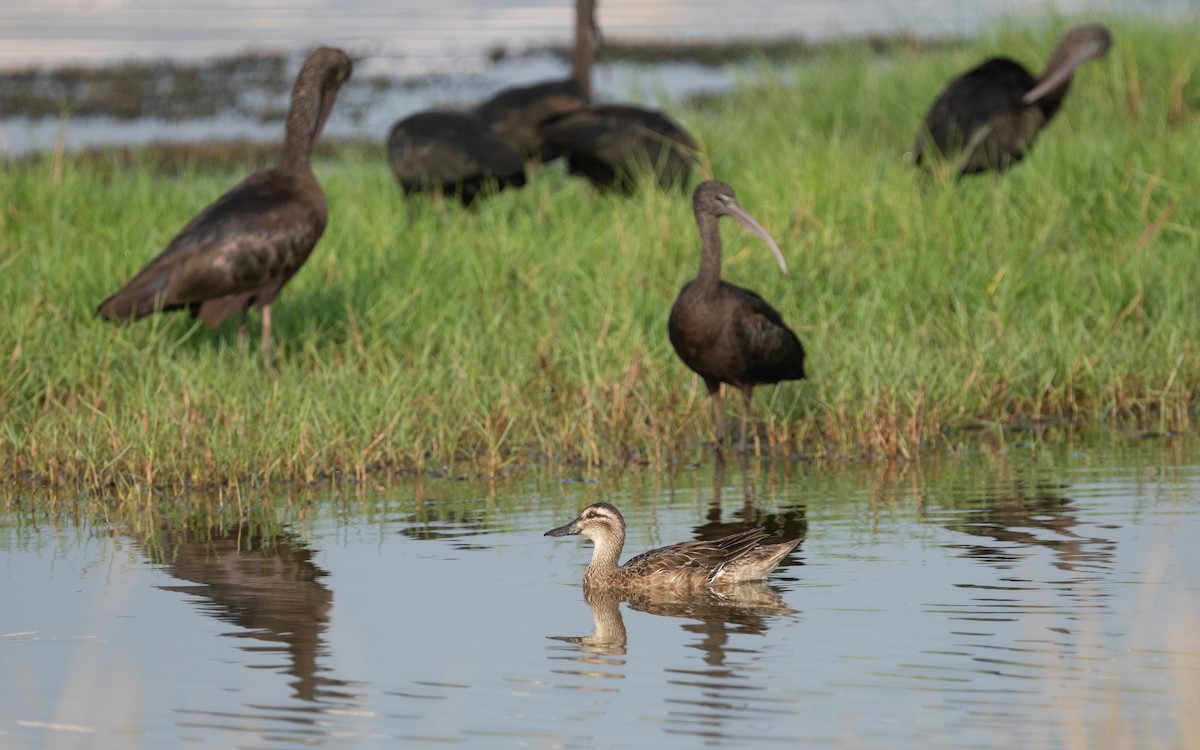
453,153
989,117
725,333
613,144
515,113
241,250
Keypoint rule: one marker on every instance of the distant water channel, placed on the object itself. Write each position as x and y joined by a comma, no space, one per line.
1031,597
417,55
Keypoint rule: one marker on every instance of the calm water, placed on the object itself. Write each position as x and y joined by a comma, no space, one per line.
412,55
1027,599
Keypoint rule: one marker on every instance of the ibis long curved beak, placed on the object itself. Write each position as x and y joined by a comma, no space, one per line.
745,219
1095,45
328,97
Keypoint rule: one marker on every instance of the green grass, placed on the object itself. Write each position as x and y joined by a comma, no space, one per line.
533,328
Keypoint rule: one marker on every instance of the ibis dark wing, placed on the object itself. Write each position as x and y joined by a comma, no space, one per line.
610,143
516,113
771,351
247,242
984,104
445,149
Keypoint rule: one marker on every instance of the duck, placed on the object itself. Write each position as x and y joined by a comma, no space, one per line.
692,565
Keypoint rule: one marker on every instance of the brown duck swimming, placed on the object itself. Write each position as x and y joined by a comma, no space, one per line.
241,250
725,333
515,113
988,117
737,557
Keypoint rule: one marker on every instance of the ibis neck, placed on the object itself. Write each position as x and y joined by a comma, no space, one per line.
1052,100
581,57
1060,58
300,134
710,254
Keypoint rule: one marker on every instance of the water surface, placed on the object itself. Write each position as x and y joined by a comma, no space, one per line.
453,33
412,56
1029,598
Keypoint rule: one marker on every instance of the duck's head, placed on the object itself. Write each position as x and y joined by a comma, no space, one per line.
597,521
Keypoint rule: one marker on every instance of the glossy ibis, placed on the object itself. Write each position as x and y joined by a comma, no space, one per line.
515,113
239,251
725,333
988,117
612,144
451,152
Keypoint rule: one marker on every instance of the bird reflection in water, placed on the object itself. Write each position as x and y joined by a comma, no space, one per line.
265,584
1021,516
715,615
789,523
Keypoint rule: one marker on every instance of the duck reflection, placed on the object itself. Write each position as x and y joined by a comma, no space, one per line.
717,613
608,636
267,585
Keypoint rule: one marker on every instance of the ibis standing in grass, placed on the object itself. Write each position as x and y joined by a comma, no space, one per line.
515,113
988,117
610,144
725,333
240,250
613,144
454,153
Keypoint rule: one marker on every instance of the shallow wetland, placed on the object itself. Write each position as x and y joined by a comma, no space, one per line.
994,459
1041,595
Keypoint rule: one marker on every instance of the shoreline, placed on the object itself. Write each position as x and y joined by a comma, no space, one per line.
243,97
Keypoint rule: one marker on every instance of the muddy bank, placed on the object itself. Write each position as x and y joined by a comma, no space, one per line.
252,89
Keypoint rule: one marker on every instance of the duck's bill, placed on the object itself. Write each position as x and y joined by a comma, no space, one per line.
569,530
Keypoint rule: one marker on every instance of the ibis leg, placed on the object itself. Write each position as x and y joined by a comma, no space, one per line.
264,345
243,324
718,416
745,417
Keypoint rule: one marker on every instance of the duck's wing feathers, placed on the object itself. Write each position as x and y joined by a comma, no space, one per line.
755,564
689,557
